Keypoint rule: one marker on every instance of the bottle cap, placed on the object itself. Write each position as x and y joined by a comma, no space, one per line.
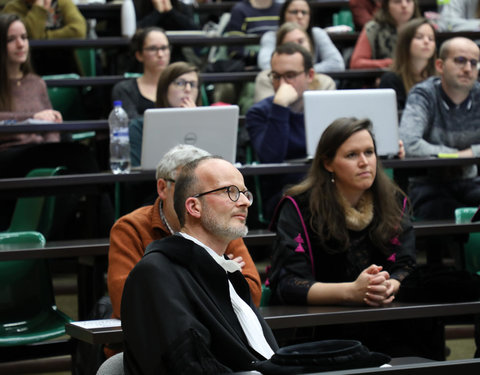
117,103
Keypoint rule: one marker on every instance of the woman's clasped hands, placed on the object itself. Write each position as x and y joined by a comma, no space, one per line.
374,287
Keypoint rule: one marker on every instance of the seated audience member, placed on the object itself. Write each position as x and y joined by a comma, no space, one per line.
167,14
414,60
363,11
133,232
376,42
326,56
23,96
251,17
350,254
276,124
344,237
185,307
442,115
460,15
290,32
178,86
152,50
50,19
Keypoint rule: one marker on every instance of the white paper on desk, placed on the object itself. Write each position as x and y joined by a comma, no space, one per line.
100,323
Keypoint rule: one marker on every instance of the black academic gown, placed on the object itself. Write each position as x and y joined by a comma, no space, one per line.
177,317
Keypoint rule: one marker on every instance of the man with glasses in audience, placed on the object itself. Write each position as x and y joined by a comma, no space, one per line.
186,307
276,124
442,118
133,232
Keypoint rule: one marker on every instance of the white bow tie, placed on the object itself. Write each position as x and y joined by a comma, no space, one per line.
228,265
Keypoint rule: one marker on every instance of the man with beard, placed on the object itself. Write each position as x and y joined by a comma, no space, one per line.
442,116
186,308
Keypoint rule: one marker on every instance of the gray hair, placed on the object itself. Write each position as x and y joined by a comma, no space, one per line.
177,157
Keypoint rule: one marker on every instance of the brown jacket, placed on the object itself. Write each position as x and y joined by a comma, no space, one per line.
133,232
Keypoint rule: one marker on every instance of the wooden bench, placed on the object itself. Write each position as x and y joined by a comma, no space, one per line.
279,317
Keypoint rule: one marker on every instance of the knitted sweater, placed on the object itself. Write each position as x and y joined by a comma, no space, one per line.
432,124
71,23
459,15
132,233
327,57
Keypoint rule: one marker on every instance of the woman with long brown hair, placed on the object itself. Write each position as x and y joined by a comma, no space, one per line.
414,61
376,42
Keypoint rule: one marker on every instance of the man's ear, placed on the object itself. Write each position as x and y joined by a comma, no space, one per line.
439,65
311,75
193,207
162,188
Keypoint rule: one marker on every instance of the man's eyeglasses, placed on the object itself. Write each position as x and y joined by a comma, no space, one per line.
232,191
156,49
461,61
294,12
170,180
288,76
182,84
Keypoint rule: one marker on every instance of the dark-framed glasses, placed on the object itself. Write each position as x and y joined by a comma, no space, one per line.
182,84
461,61
287,76
294,12
156,49
232,191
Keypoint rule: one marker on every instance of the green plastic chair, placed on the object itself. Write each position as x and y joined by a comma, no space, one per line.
28,313
35,213
472,247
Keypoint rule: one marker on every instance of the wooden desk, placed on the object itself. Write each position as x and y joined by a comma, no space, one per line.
43,185
277,317
110,80
66,126
175,38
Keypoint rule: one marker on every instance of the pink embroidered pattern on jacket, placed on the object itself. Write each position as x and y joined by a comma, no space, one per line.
299,240
392,258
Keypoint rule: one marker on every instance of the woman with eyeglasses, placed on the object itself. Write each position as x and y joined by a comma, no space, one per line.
290,32
178,87
151,49
377,40
415,55
327,58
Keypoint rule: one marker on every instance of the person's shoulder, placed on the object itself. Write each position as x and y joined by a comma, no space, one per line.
125,84
318,32
372,25
262,104
430,85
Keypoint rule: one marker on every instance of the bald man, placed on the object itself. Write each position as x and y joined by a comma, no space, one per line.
442,116
205,320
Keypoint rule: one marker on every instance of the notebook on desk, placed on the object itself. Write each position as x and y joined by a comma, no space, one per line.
378,105
213,129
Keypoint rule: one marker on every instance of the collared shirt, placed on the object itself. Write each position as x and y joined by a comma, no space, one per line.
245,315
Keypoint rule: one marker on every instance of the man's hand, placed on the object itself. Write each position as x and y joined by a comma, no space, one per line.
285,95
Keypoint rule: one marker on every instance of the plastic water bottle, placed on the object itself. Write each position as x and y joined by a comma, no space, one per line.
119,139
129,22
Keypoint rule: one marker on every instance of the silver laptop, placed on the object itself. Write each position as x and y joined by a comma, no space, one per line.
213,129
378,105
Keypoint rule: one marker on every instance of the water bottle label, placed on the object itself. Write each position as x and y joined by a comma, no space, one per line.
121,134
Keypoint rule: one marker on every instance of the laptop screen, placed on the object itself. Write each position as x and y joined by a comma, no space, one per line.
213,129
378,105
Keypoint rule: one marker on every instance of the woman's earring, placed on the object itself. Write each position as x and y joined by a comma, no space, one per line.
332,179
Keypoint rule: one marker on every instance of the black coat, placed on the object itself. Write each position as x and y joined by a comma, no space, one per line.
177,317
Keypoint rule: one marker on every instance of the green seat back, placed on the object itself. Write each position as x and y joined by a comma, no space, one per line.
472,247
67,100
35,213
28,313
